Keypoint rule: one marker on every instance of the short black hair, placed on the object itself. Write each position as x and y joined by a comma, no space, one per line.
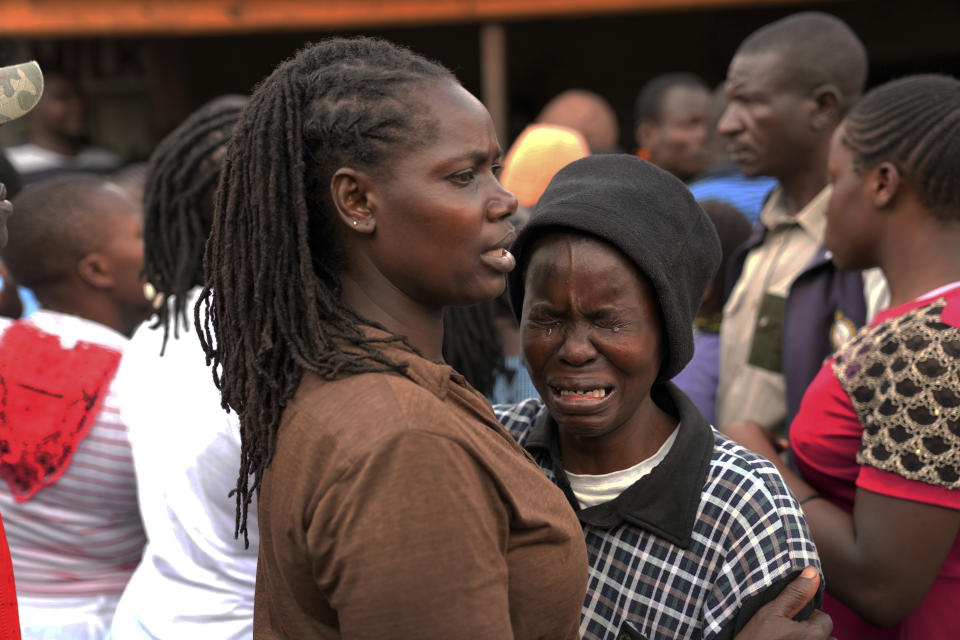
815,49
649,104
913,122
53,227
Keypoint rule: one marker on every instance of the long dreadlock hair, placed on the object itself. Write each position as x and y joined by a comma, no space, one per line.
271,303
913,122
178,207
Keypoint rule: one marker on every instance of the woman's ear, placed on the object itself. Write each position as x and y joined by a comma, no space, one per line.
885,180
350,192
96,270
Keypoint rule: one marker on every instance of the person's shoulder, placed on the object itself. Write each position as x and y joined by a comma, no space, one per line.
751,505
518,418
355,397
179,347
98,157
5,323
950,314
181,372
19,152
28,157
356,414
727,454
749,482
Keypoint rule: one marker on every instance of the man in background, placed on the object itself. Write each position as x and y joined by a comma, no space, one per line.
586,112
58,135
672,124
789,85
723,181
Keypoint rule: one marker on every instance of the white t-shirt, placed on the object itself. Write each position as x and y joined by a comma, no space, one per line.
31,160
195,580
593,490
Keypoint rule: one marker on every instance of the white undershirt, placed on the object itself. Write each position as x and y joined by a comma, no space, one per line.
939,291
593,490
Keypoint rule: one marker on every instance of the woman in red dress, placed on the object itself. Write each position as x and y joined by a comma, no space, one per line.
877,437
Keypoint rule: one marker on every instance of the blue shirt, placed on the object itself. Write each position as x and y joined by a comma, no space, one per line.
515,386
28,301
735,189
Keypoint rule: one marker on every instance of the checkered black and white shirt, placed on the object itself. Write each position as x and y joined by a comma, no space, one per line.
691,550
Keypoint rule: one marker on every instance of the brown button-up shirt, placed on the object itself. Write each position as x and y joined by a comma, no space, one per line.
398,507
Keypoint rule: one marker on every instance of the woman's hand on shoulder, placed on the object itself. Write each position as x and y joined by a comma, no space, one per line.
774,621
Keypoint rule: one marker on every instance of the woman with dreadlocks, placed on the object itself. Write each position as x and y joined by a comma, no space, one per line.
194,580
359,198
877,436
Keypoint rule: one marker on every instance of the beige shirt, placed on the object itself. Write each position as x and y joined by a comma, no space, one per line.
398,507
746,391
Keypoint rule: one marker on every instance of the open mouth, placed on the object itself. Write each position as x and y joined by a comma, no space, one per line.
498,259
582,395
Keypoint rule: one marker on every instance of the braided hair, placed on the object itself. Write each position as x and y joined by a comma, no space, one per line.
271,307
178,207
913,122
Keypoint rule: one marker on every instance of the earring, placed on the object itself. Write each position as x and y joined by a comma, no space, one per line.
354,223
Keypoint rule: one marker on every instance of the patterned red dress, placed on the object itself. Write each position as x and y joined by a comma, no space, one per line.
884,415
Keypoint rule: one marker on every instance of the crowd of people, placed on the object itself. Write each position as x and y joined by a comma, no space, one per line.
335,364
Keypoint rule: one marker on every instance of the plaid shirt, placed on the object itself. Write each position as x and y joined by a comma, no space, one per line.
691,550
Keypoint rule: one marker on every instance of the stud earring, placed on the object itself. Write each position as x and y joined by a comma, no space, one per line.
354,223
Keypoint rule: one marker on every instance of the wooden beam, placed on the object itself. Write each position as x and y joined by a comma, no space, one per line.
493,77
28,18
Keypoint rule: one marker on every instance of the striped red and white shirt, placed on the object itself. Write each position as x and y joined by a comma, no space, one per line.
83,535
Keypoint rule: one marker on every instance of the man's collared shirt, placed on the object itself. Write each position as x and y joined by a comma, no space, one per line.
692,549
751,383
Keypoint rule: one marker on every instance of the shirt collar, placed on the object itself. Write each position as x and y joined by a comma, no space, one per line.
811,218
72,328
666,501
436,377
